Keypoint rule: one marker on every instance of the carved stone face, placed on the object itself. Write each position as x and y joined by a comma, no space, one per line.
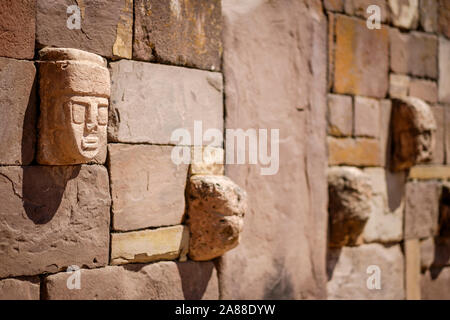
87,117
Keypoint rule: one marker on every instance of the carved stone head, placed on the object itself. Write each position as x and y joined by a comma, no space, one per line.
74,92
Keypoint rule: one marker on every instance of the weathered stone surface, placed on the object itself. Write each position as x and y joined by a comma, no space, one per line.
281,221
176,96
18,115
355,46
438,156
385,224
147,188
216,208
385,131
424,89
404,13
349,194
348,272
426,253
444,211
435,284
444,69
340,115
412,269
413,133
17,28
359,8
429,15
143,246
414,53
53,217
178,32
354,152
106,26
17,289
429,172
421,209
399,85
444,18
74,89
334,5
367,115
207,161
156,281
435,253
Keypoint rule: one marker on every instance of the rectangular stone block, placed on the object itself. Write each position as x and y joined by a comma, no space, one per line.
355,45
156,281
168,243
424,89
404,13
174,96
17,28
53,217
18,111
359,8
399,85
179,32
439,148
429,15
19,289
412,269
367,116
334,5
348,273
414,53
429,172
340,115
105,26
444,69
435,284
421,209
147,187
207,161
354,152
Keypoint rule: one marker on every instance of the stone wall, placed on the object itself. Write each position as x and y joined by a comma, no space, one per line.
349,197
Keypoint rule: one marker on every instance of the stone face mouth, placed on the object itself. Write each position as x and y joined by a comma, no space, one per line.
89,142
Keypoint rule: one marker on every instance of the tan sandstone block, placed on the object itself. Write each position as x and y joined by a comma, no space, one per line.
429,172
53,217
355,45
340,115
354,152
404,13
424,89
147,188
74,89
168,243
18,111
412,269
207,161
367,115
18,289
156,281
399,85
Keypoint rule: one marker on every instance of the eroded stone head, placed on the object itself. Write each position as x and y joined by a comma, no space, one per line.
74,92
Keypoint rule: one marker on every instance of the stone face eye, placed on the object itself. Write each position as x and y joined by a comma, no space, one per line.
102,115
78,113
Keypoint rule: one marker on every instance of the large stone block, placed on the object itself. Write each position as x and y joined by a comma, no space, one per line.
354,152
413,130
355,46
414,53
404,13
435,284
287,211
17,28
340,115
53,217
430,172
349,273
399,85
366,118
179,32
421,209
216,209
147,188
143,246
444,70
18,111
350,194
156,281
106,26
429,15
19,289
176,97
424,89
74,89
